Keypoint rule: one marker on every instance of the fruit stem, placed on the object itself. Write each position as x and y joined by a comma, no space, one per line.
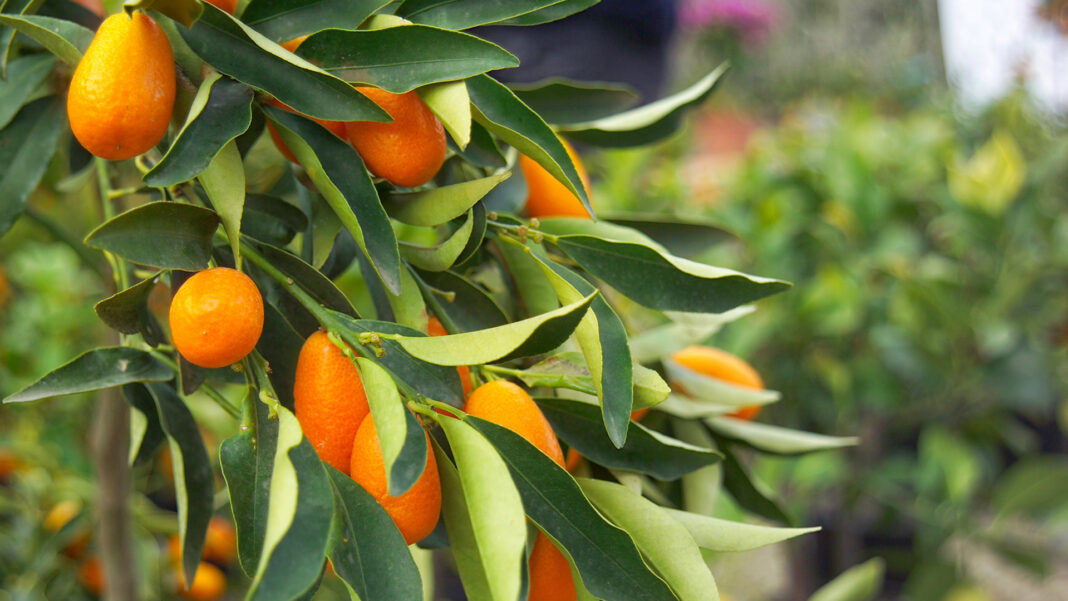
523,231
267,395
118,266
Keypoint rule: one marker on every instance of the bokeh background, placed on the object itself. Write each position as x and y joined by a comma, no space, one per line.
903,162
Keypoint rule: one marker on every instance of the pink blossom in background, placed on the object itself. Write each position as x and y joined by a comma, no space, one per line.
752,19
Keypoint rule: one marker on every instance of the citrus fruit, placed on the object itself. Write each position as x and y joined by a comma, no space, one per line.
416,511
550,574
409,150
209,583
508,405
91,575
227,5
720,364
434,328
122,93
336,127
220,545
59,516
216,317
546,196
329,398
292,45
9,461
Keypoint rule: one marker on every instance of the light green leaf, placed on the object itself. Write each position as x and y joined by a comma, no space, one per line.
445,254
462,542
402,440
714,390
65,39
224,181
409,307
451,103
775,439
858,583
685,329
701,487
439,205
715,534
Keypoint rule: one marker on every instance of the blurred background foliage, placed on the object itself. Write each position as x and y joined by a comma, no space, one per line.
929,251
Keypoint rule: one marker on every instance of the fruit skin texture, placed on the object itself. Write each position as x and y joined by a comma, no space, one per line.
330,402
227,5
546,196
434,328
550,574
122,93
407,152
335,127
216,317
508,405
209,583
725,366
416,511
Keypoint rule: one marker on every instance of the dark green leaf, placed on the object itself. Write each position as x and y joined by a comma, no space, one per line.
462,14
551,13
342,254
684,236
167,235
646,451
309,278
95,370
561,101
280,346
24,75
185,12
470,309
194,483
26,147
480,221
272,220
146,432
285,20
743,490
371,556
400,59
482,149
605,556
127,311
65,39
238,51
221,111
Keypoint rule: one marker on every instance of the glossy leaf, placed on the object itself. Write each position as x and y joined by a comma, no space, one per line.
561,101
775,439
683,236
127,311
280,345
663,541
65,39
338,173
493,504
749,494
26,147
684,329
605,556
97,369
470,307
284,20
298,519
646,451
714,390
167,235
371,555
715,534
272,220
648,123
451,103
310,279
463,14
555,12
458,521
402,439
518,339
24,75
245,55
221,111
665,282
535,290
502,113
408,307
442,204
224,182
400,59
445,254
858,583
146,433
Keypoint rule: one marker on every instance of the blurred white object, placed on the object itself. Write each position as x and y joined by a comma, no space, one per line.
989,45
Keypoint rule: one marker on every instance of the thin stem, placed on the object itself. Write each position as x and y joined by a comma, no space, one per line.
221,401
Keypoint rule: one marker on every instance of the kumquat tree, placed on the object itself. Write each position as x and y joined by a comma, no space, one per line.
329,224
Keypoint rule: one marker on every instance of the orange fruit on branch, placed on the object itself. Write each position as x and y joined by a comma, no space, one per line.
416,511
717,363
508,405
408,151
216,317
434,328
546,196
330,402
550,573
336,127
209,583
122,93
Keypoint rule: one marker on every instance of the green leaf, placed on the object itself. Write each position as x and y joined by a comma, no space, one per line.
463,14
535,290
1033,487
26,147
660,281
445,254
434,381
746,492
646,451
700,488
338,173
238,51
605,556
403,440
280,345
502,113
95,370
551,13
724,395
298,519
858,583
451,103
683,236
371,555
400,59
24,75
663,541
471,308
284,20
185,12
561,101
684,329
224,182
146,433
458,521
493,505
127,311
167,235
272,220
309,278
723,535
221,111
519,339
443,204
774,439
194,484
648,123
408,307
65,39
